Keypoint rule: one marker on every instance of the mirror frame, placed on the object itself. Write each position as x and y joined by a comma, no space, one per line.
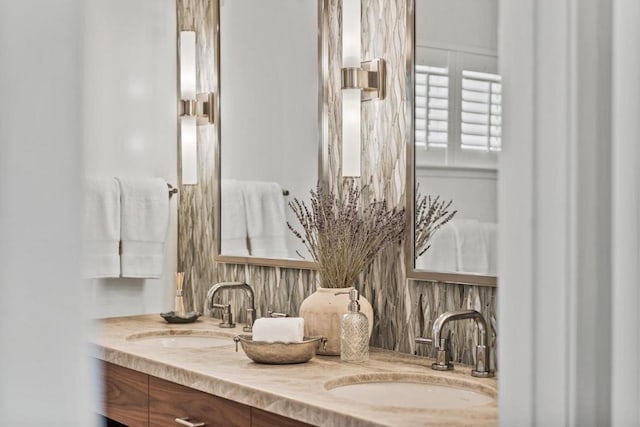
323,144
412,273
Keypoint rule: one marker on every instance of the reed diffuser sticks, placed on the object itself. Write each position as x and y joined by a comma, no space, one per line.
179,302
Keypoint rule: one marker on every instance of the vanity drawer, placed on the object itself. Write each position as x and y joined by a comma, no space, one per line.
168,401
124,395
260,418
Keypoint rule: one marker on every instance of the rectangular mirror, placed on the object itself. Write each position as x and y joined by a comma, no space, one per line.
271,137
454,136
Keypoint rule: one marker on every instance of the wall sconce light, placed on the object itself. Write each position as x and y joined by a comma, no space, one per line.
194,109
361,81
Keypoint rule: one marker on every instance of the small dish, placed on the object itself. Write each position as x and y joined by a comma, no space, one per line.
172,317
279,353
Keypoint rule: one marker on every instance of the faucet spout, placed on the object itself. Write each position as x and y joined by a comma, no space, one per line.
482,350
459,315
248,291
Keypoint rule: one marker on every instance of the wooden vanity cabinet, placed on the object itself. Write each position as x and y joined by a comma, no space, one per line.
125,395
260,418
168,401
136,399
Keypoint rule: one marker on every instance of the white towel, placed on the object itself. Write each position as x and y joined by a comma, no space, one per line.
144,225
443,253
233,219
266,221
490,234
473,256
280,329
102,228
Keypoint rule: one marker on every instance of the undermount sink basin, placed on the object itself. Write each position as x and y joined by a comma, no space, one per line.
411,391
180,339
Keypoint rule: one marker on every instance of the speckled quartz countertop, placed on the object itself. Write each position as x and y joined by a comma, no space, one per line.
294,391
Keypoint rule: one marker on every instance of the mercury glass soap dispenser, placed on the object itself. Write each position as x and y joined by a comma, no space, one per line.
354,331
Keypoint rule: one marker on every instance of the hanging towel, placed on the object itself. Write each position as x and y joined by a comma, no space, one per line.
233,219
144,225
443,253
266,221
490,234
102,228
473,256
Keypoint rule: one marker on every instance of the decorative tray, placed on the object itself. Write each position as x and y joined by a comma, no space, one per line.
279,353
172,317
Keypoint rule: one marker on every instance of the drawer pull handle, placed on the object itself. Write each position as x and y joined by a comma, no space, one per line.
185,422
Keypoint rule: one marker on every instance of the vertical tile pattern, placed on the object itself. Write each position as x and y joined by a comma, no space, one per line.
403,309
196,244
383,155
333,91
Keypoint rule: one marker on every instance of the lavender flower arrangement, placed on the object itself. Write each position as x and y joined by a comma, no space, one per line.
431,214
343,238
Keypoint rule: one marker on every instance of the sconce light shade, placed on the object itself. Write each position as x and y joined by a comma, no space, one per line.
188,125
351,33
188,65
189,153
351,103
351,132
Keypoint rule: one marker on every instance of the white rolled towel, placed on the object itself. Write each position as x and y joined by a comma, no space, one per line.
279,329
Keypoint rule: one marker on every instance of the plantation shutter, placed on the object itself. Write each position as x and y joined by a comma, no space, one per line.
431,107
481,112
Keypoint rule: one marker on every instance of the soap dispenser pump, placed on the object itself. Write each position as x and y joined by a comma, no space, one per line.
354,331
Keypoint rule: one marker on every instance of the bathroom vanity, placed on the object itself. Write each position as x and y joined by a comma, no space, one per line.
154,372
136,399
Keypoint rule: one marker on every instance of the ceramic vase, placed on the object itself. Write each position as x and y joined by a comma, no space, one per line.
322,312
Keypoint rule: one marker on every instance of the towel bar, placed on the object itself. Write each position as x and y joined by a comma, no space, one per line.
172,190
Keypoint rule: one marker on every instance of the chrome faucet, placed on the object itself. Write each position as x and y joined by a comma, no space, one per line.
227,316
442,351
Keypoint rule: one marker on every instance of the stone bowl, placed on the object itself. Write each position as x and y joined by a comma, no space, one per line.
279,353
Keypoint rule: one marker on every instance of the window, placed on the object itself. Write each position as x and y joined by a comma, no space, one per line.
458,108
481,111
432,106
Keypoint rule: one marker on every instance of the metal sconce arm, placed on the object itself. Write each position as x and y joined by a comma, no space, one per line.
370,78
201,108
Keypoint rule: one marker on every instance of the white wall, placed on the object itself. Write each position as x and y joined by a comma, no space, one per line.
468,25
556,219
43,333
130,126
474,192
625,292
269,97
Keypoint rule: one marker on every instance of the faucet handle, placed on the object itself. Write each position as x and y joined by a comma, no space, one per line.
276,314
251,312
443,357
443,354
227,316
422,340
482,369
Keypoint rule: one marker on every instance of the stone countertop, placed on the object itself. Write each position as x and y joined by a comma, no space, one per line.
295,391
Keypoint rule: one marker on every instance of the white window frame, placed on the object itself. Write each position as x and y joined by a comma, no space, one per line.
455,61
